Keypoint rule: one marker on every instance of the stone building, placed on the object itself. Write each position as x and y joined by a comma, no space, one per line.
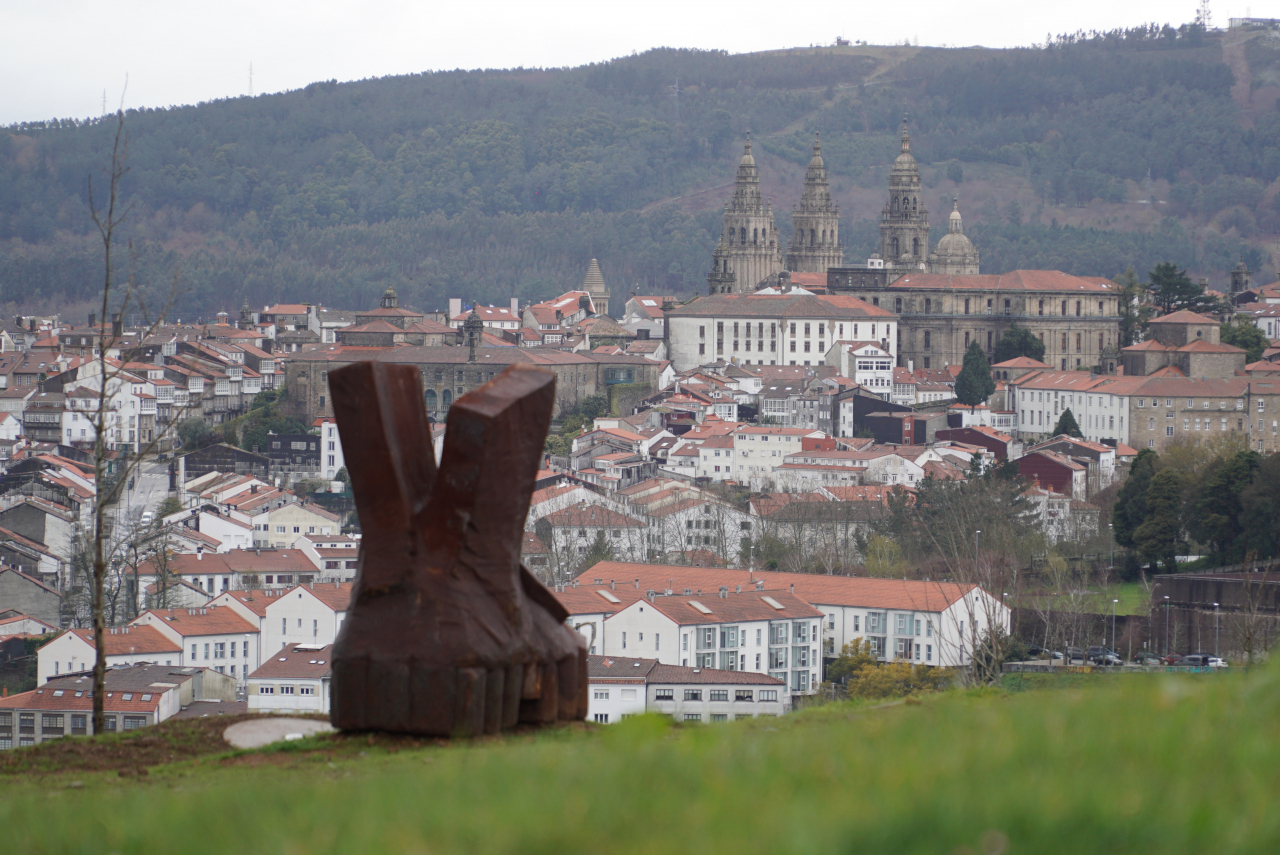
1187,341
944,305
594,285
450,372
1077,317
748,252
815,241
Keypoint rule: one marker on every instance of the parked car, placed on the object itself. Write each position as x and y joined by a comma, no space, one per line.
1035,651
1195,660
1146,657
1216,662
147,517
1171,658
1103,656
1074,654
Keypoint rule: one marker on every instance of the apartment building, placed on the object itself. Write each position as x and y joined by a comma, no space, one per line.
623,686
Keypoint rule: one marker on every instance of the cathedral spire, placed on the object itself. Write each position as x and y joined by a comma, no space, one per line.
906,137
750,237
815,239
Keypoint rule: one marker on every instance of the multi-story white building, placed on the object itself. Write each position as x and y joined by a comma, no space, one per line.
927,623
74,650
622,686
214,637
293,680
866,363
306,614
331,459
772,329
763,632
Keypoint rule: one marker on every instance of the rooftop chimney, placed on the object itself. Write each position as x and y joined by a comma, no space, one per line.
93,319
637,583
793,588
515,306
117,325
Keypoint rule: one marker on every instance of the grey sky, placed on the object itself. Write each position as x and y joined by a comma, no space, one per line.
60,55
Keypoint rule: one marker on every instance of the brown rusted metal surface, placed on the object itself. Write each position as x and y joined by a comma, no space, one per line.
448,634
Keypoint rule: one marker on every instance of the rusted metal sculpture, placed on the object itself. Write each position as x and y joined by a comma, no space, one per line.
448,635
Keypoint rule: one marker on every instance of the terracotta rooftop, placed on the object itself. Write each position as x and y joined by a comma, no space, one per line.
311,662
129,640
854,591
206,620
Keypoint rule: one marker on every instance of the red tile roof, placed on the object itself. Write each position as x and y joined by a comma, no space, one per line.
206,620
1017,280
128,640
294,664
852,591
584,514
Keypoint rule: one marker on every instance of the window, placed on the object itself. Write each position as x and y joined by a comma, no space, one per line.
133,722
743,695
692,717
719,717
302,690
664,694
600,718
601,694
768,695
693,694
266,690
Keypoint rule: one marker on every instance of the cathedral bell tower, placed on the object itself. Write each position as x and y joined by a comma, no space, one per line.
750,241
904,221
815,243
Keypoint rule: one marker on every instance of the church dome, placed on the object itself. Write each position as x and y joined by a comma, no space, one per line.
747,158
955,244
955,254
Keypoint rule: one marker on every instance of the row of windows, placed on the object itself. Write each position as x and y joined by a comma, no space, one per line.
286,690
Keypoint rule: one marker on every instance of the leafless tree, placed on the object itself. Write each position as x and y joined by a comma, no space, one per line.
105,548
1252,627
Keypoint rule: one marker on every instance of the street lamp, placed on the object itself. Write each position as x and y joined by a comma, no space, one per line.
1111,534
1113,624
1215,631
1166,624
975,546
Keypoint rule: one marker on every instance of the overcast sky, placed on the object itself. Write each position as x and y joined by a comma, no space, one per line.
59,56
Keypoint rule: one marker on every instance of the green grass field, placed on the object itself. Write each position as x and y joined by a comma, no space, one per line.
1130,594
1159,764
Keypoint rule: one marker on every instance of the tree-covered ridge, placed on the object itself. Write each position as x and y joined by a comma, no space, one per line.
488,183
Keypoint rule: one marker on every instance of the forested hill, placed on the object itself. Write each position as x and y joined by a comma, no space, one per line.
1088,154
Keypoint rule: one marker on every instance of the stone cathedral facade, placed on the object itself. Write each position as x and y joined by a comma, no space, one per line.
943,302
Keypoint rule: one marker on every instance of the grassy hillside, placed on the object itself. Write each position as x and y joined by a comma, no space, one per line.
1139,146
1165,764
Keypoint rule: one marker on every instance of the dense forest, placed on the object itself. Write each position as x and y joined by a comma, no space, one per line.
488,183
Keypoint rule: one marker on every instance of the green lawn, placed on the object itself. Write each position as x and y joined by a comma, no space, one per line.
1130,594
1165,764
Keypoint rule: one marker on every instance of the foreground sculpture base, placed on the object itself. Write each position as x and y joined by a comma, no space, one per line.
448,634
